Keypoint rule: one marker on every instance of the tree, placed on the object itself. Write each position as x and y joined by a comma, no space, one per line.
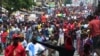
14,5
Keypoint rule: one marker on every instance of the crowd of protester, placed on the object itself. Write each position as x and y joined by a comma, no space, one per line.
52,31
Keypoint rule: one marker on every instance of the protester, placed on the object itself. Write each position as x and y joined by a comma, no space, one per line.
15,48
23,40
30,49
78,38
94,26
43,18
4,36
33,48
52,41
66,50
61,37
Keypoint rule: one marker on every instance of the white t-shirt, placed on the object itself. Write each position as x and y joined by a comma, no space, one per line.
38,47
13,29
30,48
50,30
0,36
78,33
17,29
24,43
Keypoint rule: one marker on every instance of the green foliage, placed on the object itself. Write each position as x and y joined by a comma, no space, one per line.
14,5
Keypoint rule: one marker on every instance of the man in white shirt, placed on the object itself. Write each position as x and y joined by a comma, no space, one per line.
30,49
34,48
78,38
38,48
50,29
61,37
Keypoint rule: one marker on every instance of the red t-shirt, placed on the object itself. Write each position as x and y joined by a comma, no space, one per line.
94,27
68,44
15,51
71,26
43,19
3,37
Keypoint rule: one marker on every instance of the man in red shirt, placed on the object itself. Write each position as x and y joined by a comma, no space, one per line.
4,39
94,26
15,48
43,18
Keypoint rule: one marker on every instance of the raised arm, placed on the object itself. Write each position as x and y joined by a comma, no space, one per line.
49,46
